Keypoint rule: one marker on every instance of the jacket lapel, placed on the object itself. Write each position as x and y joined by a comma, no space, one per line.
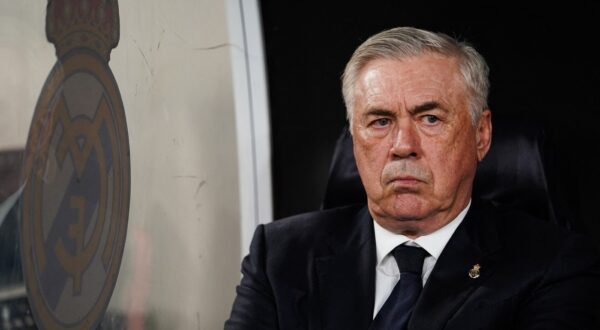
346,275
474,242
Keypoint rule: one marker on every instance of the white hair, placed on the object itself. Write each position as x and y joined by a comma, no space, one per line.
404,42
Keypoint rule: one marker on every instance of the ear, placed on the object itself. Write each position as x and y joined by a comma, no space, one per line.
483,134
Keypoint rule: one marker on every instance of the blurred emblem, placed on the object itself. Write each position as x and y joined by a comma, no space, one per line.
77,172
475,271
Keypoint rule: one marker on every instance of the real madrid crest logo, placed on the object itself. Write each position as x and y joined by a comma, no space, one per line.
75,200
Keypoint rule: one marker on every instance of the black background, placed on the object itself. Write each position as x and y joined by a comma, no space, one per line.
542,68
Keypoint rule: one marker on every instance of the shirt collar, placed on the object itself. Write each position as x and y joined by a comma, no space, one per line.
434,243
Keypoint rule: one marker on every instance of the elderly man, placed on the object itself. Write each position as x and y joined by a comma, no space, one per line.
423,254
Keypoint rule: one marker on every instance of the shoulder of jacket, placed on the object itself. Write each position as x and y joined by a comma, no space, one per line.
312,226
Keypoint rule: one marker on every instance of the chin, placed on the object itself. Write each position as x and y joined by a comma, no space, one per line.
403,208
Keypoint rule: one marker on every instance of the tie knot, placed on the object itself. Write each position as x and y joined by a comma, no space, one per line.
409,258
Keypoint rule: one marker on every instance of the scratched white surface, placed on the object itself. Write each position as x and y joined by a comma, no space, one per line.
25,61
173,67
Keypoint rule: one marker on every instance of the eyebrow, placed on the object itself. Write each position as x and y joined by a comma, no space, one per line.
430,105
379,112
426,107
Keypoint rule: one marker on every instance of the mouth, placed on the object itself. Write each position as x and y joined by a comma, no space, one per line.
404,180
405,184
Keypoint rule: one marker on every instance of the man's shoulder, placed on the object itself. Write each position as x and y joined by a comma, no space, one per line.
528,236
316,220
516,224
310,227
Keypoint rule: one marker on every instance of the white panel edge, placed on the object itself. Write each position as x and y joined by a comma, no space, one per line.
252,117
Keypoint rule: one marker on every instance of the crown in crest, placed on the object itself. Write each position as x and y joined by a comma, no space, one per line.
92,24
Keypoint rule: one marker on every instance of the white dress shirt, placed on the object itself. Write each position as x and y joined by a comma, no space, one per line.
387,273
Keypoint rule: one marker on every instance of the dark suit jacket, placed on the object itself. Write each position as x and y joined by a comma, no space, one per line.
317,271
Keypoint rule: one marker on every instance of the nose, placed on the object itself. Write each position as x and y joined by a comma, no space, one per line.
406,141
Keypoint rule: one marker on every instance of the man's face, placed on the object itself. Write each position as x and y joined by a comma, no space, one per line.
414,142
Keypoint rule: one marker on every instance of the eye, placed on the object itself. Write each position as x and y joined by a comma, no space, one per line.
431,119
382,122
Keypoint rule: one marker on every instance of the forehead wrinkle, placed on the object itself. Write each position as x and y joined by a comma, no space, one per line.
389,87
374,90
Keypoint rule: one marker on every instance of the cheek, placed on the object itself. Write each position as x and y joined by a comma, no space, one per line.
370,159
452,161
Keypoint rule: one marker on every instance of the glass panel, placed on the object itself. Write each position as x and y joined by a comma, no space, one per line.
119,191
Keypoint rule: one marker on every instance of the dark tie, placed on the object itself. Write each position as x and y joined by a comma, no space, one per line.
396,311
